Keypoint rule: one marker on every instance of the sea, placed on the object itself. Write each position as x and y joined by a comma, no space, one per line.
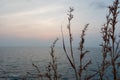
16,63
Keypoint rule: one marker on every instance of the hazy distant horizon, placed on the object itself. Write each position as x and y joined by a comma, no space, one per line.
38,22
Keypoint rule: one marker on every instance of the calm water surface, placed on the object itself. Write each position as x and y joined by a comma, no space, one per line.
16,62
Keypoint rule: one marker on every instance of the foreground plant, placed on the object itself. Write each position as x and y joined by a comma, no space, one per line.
71,60
83,52
110,51
51,69
82,66
110,45
105,47
52,66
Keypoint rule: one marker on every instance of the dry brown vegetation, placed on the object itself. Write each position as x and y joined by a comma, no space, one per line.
110,51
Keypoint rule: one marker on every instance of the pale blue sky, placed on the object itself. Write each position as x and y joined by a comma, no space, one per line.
38,22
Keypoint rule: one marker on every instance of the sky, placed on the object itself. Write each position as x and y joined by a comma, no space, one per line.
38,22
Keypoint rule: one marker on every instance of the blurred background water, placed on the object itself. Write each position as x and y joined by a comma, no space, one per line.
17,61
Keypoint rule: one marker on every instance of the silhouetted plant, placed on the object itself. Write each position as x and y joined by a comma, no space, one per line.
39,75
52,73
110,45
113,51
82,67
110,51
48,73
83,52
53,64
72,62
105,47
51,69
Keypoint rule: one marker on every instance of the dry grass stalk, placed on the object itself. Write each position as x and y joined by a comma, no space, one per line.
72,62
48,73
78,73
105,47
110,48
53,63
39,75
110,45
52,73
83,52
113,21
